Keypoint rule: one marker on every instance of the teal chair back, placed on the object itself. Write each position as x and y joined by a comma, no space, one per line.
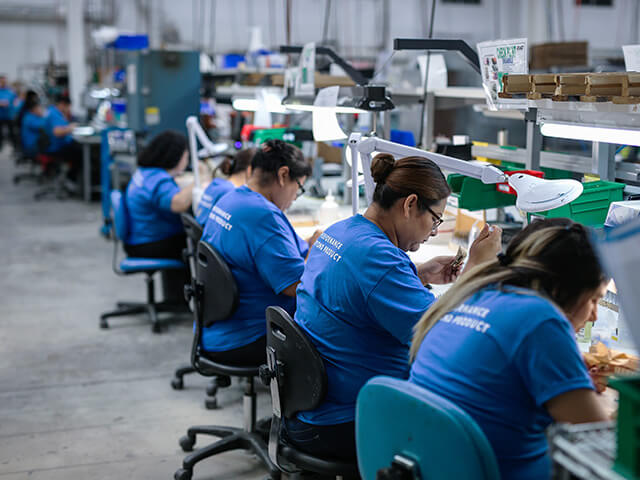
403,427
120,219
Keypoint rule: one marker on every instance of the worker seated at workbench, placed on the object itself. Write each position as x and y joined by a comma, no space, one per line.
250,231
501,343
361,295
154,203
59,128
237,169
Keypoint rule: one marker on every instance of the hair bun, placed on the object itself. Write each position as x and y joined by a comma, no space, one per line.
274,145
381,167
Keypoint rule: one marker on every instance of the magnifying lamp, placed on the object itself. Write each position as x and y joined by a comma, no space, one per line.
209,149
533,194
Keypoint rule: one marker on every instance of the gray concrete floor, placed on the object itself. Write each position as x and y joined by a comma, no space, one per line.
77,402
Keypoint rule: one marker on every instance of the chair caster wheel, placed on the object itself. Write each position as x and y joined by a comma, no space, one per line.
186,443
183,474
156,328
177,384
210,403
103,324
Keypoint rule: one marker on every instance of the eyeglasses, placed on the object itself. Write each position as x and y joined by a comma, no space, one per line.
301,189
437,220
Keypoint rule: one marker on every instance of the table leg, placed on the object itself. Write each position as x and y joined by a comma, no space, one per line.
86,171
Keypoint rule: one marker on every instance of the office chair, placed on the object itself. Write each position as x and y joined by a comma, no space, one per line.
215,296
297,378
194,231
132,265
406,432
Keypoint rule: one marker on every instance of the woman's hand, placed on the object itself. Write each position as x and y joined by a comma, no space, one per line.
439,270
600,377
485,247
312,239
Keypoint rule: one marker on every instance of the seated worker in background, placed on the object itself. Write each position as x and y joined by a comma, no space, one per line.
237,169
154,200
7,96
501,343
33,127
59,129
249,229
360,295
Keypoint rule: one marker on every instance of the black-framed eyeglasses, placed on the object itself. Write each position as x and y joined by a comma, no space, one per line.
437,220
301,189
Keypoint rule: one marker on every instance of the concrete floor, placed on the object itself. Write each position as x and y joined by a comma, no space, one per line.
77,402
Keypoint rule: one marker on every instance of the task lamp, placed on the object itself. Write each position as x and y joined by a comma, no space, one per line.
209,149
533,194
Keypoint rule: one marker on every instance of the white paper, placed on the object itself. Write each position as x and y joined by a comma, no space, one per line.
620,256
305,81
631,57
327,97
262,116
498,58
437,71
325,124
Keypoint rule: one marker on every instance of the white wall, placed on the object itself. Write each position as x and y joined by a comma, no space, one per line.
355,24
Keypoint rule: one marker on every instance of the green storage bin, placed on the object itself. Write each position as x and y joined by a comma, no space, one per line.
472,194
591,207
628,426
261,136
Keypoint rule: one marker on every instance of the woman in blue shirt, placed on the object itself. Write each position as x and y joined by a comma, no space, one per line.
237,169
154,200
360,294
249,229
501,343
33,127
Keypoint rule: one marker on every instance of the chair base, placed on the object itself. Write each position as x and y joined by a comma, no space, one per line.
151,309
211,401
230,439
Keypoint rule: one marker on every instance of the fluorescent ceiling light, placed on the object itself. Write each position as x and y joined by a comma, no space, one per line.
315,108
620,136
252,105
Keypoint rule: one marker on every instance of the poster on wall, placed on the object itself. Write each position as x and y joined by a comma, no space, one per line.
498,58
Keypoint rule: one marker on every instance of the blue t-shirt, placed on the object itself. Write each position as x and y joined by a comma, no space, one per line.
149,197
265,256
32,125
55,118
6,95
358,301
214,191
500,356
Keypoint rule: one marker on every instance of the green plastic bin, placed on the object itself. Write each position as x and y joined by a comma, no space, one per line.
472,194
261,136
591,207
628,426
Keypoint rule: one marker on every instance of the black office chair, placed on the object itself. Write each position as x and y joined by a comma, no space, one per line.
194,231
297,378
215,297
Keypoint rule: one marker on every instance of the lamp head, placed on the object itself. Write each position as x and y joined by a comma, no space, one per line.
539,195
375,99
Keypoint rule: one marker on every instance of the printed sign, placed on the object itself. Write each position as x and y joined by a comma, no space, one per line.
497,58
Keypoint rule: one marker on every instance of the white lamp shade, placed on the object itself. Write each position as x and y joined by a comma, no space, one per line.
539,195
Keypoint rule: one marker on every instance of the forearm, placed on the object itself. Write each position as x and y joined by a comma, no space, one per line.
181,201
62,131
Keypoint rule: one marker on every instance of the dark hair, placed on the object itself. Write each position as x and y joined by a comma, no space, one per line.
274,154
552,256
396,179
63,98
239,162
164,151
